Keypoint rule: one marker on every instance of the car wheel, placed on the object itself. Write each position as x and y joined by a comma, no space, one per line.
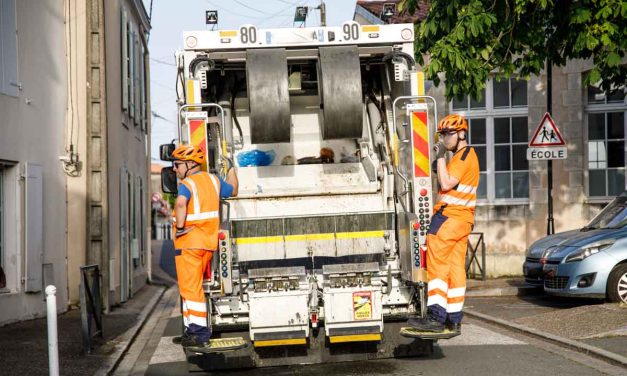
617,284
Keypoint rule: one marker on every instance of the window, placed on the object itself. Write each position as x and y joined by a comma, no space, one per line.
511,168
498,130
1,218
469,103
8,49
509,93
605,118
133,78
9,275
478,139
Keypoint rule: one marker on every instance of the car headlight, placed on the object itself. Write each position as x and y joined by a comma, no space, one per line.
589,250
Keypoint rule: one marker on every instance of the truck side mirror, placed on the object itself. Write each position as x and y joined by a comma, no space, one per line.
168,180
165,152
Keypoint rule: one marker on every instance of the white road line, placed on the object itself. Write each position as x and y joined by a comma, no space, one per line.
168,352
473,335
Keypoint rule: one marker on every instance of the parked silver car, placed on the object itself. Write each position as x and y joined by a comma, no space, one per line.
590,262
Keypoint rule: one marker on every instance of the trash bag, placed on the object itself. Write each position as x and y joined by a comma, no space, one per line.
255,158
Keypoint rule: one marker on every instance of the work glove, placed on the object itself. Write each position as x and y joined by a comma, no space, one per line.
439,150
182,231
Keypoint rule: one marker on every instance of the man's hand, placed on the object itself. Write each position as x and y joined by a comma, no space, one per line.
182,231
439,150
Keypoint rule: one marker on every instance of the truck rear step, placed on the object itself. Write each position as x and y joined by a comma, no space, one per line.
316,350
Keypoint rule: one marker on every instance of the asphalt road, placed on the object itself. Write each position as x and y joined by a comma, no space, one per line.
482,349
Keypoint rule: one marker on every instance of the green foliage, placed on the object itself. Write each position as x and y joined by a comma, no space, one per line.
469,39
169,198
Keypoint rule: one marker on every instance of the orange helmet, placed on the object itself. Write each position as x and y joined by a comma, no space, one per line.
453,123
189,153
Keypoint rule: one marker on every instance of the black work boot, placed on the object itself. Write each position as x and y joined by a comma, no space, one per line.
179,339
192,341
454,327
426,324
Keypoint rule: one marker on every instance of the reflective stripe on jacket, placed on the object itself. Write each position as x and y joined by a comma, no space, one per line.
202,213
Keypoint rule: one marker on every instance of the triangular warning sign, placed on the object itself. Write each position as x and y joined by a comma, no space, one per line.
547,134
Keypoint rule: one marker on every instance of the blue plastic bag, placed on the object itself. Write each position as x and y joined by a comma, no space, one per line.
255,158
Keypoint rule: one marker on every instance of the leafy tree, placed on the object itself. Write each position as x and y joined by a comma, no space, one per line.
467,39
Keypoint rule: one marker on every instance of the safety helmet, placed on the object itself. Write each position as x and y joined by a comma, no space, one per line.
189,153
453,123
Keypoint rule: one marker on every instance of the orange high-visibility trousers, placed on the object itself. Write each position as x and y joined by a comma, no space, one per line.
446,261
191,266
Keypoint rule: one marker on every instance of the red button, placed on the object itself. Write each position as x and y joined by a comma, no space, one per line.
221,236
423,192
416,225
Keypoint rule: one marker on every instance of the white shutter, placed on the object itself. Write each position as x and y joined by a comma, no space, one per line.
124,61
142,83
137,72
131,67
8,48
34,227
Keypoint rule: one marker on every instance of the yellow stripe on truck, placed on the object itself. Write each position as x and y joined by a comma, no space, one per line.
310,237
281,342
355,338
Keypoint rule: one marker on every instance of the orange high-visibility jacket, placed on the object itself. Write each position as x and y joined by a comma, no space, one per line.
202,213
461,201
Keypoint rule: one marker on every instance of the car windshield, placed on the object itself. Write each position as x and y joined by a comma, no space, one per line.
614,215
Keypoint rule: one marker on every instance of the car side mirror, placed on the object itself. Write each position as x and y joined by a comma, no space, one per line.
165,152
168,180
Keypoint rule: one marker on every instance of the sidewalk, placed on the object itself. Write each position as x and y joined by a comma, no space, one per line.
508,286
587,325
24,345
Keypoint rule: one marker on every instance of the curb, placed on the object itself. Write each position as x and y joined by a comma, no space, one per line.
125,339
575,345
504,291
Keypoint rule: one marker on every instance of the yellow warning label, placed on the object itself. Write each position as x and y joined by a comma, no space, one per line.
228,33
362,305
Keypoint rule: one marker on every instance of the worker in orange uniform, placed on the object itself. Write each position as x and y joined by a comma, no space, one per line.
197,222
451,224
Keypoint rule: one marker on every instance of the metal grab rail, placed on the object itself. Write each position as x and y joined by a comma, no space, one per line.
91,308
222,147
392,134
471,255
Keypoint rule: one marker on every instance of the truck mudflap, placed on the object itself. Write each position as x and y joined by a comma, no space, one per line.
317,349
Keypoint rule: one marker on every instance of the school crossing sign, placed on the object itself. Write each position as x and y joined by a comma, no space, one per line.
547,142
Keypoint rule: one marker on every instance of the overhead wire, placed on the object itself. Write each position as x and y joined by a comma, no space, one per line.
281,11
251,8
162,62
234,13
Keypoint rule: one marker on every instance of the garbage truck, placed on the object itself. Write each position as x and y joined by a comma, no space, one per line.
322,254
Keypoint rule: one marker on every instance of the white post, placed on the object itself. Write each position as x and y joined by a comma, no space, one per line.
53,349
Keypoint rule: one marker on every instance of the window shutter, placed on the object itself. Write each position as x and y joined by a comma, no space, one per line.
136,71
124,61
142,85
131,67
8,48
34,228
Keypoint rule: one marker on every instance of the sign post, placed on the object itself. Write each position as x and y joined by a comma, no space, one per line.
547,144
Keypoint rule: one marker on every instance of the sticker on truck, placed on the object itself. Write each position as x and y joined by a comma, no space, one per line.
362,305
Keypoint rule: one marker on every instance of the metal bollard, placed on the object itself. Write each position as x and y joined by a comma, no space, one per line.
53,349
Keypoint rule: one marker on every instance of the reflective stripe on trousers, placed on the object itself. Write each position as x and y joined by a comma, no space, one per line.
446,261
191,266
